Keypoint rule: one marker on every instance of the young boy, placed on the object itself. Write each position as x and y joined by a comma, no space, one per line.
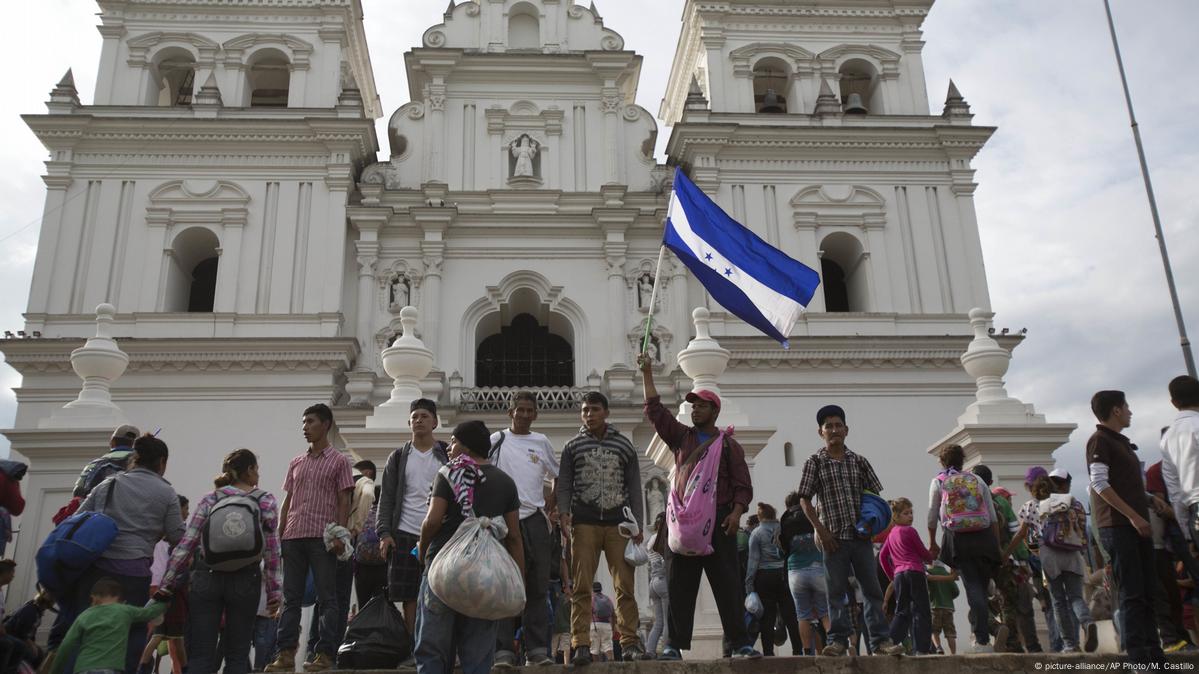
101,633
942,589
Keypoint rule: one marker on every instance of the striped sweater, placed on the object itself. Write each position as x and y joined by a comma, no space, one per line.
598,476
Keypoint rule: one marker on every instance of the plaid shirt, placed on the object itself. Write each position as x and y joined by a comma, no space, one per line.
313,483
272,568
837,487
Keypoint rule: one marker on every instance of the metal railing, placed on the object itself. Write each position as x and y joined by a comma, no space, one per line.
498,398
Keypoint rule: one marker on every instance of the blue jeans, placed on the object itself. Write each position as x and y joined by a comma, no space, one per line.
345,579
265,631
809,591
442,633
854,557
1132,566
913,613
1069,607
300,555
216,594
975,577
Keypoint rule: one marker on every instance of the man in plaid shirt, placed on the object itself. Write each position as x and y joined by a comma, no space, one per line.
836,477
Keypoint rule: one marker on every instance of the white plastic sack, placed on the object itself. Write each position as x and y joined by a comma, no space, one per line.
636,554
474,574
753,604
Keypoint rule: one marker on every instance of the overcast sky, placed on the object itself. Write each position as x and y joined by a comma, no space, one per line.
1066,231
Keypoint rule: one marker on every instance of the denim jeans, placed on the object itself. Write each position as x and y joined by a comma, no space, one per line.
300,555
659,598
216,594
1069,607
975,577
345,581
854,557
266,630
913,613
442,633
809,591
1133,568
534,622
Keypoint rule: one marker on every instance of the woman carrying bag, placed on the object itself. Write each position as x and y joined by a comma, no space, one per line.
234,528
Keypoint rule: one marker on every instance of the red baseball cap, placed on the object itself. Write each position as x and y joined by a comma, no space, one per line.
703,394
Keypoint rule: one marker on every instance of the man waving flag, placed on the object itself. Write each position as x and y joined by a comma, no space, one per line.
749,277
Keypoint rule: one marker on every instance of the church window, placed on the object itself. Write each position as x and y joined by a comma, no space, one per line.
192,273
175,73
524,353
843,274
524,27
860,91
788,454
270,79
772,81
203,287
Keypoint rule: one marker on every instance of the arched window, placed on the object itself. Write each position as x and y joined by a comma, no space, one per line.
860,91
524,353
788,454
191,277
843,274
175,73
772,84
269,79
524,27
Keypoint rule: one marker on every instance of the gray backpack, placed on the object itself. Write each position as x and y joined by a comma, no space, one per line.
232,537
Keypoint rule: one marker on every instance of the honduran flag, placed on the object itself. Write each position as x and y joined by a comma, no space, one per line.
747,276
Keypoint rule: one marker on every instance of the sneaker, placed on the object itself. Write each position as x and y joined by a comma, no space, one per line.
408,665
582,656
1092,641
1001,635
835,649
888,647
538,660
504,661
320,663
286,662
632,653
746,653
1173,648
982,648
670,654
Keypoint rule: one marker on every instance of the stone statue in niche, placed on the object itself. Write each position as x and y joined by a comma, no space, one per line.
655,348
399,292
524,152
655,500
645,289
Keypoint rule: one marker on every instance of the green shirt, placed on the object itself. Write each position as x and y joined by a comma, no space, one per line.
941,593
101,634
1004,508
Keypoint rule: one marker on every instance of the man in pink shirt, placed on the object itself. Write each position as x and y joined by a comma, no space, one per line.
318,487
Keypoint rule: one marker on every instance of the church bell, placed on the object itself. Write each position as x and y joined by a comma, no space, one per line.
853,105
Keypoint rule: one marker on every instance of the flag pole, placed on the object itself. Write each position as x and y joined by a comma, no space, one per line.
653,299
1185,342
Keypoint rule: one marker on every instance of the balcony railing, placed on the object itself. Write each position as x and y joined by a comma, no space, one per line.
498,398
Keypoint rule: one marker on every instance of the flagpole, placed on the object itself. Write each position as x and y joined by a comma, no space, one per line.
1187,356
653,299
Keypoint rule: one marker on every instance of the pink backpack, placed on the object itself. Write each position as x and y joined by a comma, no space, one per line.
962,505
691,515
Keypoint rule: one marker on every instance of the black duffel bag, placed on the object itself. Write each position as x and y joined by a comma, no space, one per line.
376,638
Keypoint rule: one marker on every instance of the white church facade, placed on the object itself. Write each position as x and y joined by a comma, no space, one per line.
224,193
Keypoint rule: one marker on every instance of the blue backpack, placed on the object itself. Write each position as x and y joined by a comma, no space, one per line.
74,545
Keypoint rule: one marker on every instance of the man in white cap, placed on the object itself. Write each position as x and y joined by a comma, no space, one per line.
1060,478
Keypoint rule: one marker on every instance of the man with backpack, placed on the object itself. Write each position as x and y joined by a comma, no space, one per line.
120,447
370,566
599,481
1011,580
404,502
530,460
145,509
699,449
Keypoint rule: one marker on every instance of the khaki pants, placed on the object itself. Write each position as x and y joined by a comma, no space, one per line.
587,541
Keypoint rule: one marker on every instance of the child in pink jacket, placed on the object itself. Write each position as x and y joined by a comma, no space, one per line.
903,558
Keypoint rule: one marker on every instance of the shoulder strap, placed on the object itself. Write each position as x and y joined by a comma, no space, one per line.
495,451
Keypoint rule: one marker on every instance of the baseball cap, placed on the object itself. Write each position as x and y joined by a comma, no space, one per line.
1033,473
830,411
1060,473
704,394
126,432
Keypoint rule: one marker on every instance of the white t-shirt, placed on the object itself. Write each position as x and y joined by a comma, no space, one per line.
529,460
418,484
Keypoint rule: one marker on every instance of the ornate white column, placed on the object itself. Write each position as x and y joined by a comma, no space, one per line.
610,106
99,363
368,260
616,305
406,361
678,300
437,138
229,265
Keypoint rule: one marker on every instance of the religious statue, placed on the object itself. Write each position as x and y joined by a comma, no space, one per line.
645,289
655,349
400,292
524,149
655,499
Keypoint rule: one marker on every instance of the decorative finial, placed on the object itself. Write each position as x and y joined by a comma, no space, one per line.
955,105
209,93
826,102
64,98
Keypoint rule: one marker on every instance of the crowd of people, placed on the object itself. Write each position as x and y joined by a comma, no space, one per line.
834,573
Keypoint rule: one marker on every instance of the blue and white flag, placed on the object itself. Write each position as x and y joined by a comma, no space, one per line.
749,277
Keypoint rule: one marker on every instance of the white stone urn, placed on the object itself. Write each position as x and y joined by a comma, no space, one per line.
407,361
99,363
985,360
704,360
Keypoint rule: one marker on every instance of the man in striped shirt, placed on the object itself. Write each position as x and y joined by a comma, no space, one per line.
318,487
600,478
